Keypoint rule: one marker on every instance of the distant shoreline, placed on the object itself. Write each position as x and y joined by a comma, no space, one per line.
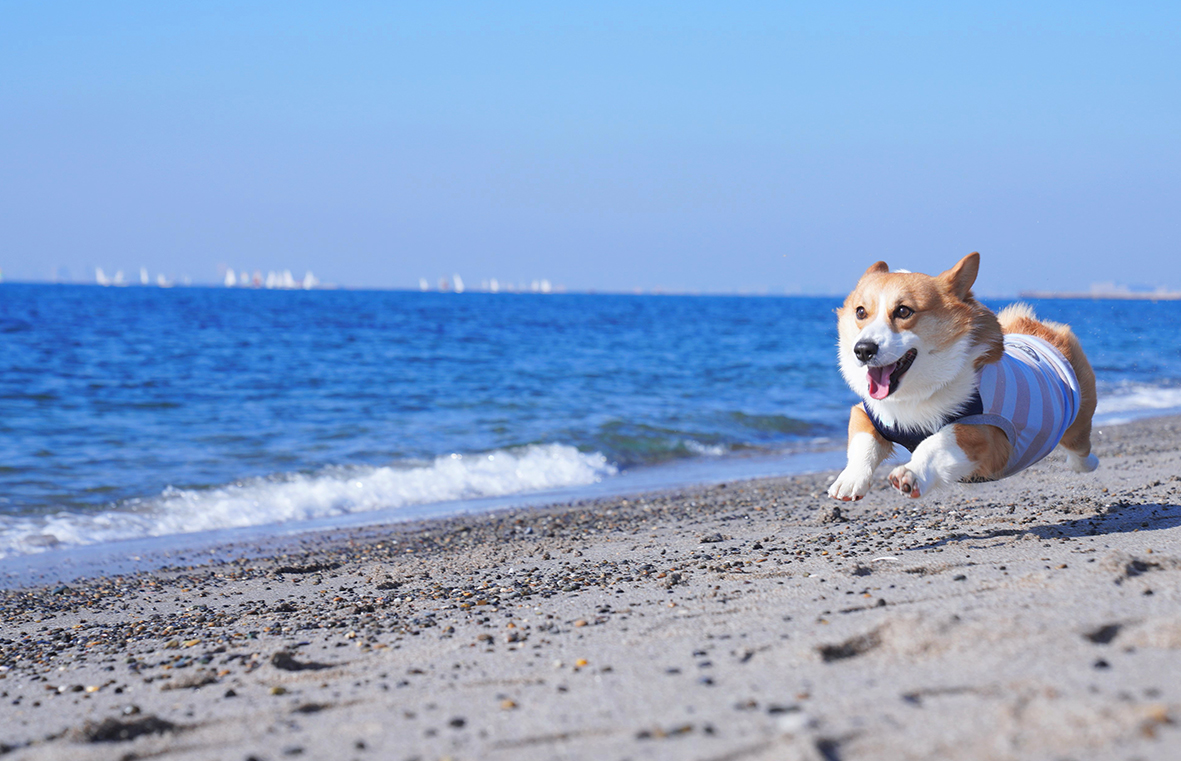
1164,296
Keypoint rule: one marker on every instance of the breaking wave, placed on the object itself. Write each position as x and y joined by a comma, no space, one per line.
332,492
1126,401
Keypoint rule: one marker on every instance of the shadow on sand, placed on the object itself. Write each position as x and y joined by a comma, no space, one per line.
1120,519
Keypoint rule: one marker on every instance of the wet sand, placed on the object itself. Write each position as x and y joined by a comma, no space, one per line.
1038,617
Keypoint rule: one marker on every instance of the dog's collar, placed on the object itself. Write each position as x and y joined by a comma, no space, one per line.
912,437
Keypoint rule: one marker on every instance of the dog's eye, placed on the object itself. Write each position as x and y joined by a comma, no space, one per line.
902,312
861,313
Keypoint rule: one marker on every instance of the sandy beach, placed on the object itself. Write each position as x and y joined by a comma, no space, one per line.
1038,617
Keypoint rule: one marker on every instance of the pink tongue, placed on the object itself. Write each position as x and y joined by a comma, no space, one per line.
879,380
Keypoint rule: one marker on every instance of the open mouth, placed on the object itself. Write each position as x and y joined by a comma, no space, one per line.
884,379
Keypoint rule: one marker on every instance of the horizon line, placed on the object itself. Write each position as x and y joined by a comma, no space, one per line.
1114,295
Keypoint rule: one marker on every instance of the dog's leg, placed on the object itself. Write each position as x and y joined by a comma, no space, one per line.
1077,443
866,451
1080,464
1077,439
950,455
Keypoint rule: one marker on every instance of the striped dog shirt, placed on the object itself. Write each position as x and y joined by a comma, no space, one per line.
1031,394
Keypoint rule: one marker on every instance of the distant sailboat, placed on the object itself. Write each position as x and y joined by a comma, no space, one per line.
100,277
143,275
232,279
458,281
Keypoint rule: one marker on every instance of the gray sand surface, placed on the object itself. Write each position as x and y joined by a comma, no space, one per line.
1038,617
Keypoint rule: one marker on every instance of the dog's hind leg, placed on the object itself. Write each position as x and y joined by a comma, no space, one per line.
1077,443
1077,439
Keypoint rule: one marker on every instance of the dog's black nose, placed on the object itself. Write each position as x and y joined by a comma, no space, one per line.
865,350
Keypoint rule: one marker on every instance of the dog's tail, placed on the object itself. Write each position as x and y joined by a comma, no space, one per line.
1019,318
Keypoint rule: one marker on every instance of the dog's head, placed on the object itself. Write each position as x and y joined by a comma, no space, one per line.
905,335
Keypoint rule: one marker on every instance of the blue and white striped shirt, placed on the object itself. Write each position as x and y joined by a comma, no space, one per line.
1032,395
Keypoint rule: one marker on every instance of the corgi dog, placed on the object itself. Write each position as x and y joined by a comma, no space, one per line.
975,396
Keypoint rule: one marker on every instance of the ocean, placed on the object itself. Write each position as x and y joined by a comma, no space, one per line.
131,413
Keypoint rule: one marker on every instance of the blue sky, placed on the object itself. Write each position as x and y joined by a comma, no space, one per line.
699,146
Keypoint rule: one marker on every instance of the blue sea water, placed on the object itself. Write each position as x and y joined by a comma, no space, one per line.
140,412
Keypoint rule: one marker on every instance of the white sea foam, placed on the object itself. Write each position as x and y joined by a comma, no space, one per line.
298,497
1129,401
704,450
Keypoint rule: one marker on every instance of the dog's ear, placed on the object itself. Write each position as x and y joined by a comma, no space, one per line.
960,278
875,268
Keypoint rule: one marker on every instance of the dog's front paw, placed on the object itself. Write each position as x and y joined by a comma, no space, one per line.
851,485
907,481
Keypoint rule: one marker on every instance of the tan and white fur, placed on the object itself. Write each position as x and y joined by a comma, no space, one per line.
952,336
